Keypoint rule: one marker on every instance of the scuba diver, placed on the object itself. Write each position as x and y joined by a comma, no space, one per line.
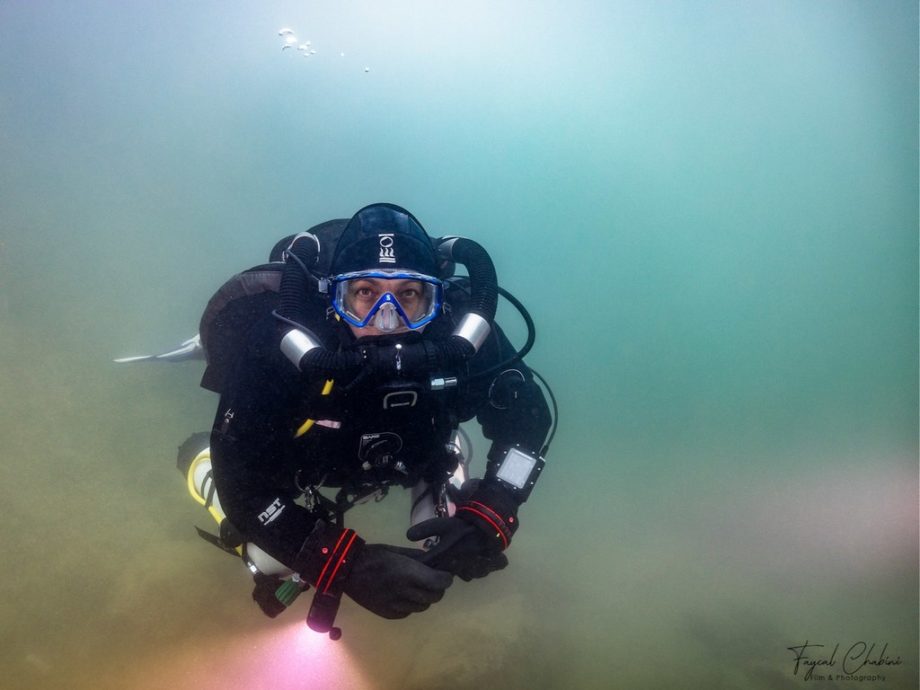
357,378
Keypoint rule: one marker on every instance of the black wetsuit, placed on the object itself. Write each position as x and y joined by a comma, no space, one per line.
367,431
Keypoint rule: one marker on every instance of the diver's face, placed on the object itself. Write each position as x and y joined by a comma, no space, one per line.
363,294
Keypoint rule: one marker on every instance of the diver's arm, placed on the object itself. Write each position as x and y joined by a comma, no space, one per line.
508,404
248,446
514,416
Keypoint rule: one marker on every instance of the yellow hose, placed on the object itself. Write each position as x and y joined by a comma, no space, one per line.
307,425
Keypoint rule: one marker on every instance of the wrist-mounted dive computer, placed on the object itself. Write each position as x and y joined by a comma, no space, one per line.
518,471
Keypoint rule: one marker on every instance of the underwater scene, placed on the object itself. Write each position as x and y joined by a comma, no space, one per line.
710,211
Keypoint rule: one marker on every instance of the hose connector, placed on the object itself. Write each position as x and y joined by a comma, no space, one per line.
476,325
474,329
296,344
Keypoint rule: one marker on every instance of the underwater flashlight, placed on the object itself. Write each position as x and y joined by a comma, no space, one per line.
322,614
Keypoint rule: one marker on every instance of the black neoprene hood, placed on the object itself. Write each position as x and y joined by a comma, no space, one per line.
384,236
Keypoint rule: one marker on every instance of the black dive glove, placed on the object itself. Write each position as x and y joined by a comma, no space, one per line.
392,582
470,544
461,548
491,510
387,580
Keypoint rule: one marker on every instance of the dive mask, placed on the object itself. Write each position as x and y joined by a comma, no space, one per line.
386,299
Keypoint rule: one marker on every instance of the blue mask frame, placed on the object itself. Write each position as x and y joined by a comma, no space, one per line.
337,286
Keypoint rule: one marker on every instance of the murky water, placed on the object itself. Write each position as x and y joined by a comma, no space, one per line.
711,212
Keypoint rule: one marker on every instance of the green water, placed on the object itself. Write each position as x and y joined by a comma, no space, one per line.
711,210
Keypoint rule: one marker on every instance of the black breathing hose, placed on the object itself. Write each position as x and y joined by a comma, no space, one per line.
295,279
295,285
483,280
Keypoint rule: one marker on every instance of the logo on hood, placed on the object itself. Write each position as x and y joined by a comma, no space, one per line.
386,248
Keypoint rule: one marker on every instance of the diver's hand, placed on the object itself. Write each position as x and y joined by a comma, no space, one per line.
393,582
491,510
461,548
